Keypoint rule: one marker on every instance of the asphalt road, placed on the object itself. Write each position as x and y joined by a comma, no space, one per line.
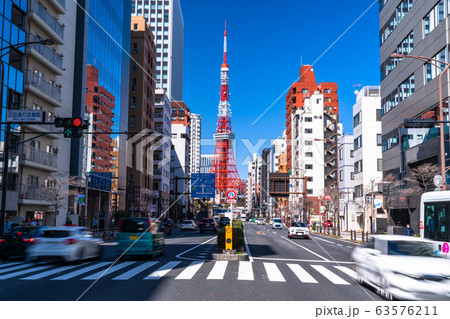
279,269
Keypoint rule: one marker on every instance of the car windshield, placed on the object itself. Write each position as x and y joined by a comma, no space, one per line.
277,220
298,225
410,248
187,222
134,225
56,233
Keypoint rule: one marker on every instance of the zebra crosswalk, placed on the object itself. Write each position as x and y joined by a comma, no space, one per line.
280,272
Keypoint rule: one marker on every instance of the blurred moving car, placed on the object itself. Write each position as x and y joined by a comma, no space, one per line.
208,224
298,230
260,221
403,267
224,221
66,242
277,223
140,236
328,223
188,225
16,241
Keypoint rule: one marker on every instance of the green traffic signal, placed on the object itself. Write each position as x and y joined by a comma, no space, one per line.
73,127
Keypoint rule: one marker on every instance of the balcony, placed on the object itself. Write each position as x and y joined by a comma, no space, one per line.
59,5
39,159
46,55
43,88
32,195
48,22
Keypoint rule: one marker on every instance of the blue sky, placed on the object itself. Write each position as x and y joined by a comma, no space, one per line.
267,40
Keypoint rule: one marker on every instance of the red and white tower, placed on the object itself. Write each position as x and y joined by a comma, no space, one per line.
224,164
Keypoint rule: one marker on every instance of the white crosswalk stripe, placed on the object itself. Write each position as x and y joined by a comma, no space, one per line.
245,271
161,272
15,268
133,272
218,270
331,276
103,273
190,270
302,274
26,271
273,273
81,271
10,264
49,272
347,270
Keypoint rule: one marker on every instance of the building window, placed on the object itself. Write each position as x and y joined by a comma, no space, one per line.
357,167
327,91
309,191
352,153
308,154
357,119
135,26
305,91
133,66
308,166
133,102
352,176
432,71
308,119
389,27
132,121
433,18
358,191
341,154
133,84
328,99
379,140
357,142
308,130
309,178
378,115
405,47
341,175
379,165
308,142
390,140
135,48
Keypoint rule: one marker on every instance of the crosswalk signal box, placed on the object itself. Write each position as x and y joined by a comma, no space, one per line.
228,238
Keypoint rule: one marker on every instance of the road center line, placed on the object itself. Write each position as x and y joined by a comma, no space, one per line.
327,241
316,254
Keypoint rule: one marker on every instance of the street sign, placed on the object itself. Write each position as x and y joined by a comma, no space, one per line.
327,197
203,185
24,116
231,196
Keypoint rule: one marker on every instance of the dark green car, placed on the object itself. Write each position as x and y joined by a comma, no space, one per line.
139,236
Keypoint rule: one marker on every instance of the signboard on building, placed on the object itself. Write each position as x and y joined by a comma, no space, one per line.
24,116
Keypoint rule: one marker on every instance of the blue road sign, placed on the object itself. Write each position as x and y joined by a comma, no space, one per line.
31,116
203,185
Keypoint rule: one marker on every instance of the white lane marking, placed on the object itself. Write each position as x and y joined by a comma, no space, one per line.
347,270
247,248
81,271
49,273
133,272
305,260
162,271
335,279
26,271
339,245
327,241
15,268
190,270
349,246
218,271
10,264
302,274
274,232
308,250
273,273
110,244
179,255
245,271
103,273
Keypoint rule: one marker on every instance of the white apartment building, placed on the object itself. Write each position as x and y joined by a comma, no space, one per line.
195,143
179,163
278,148
48,86
346,183
308,153
367,151
206,163
166,21
161,152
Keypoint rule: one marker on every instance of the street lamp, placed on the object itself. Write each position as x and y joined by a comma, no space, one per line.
8,126
441,109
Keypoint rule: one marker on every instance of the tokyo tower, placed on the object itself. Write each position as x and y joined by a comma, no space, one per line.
224,165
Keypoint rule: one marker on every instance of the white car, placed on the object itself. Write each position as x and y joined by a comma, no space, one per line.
69,243
261,221
188,224
297,229
403,267
277,223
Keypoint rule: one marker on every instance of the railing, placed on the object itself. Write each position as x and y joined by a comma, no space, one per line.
38,156
32,192
50,20
62,3
46,51
43,85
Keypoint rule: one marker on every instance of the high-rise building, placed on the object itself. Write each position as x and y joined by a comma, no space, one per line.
102,43
206,162
368,170
166,21
179,164
141,114
195,143
278,148
410,89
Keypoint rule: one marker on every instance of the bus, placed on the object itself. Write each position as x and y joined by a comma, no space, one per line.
435,219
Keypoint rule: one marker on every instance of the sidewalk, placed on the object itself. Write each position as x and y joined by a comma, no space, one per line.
344,235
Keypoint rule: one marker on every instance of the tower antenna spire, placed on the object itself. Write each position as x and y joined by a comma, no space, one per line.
225,46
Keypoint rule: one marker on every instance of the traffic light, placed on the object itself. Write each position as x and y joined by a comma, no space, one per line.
73,126
228,238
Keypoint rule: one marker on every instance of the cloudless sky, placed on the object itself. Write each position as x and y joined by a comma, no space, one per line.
267,40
